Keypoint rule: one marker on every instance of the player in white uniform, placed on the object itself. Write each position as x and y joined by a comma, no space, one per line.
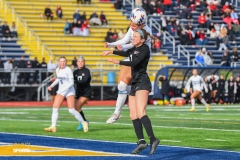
65,90
138,18
196,89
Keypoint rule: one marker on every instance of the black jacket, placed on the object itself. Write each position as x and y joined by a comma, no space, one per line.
165,86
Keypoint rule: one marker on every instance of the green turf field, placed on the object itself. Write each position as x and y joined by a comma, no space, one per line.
217,129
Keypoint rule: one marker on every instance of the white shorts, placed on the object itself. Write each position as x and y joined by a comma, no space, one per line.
69,92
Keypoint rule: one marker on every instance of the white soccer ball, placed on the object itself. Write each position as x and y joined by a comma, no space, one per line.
138,16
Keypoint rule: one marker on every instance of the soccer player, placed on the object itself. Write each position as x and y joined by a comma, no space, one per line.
138,18
220,89
237,95
65,90
141,87
213,81
231,89
207,95
82,79
196,91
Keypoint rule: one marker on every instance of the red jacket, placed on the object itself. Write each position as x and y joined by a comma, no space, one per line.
224,8
167,2
212,7
201,19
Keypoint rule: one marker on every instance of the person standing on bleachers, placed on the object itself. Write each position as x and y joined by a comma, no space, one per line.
1,72
43,67
8,69
234,55
21,65
59,12
68,27
48,13
14,73
77,16
6,31
14,30
27,77
35,65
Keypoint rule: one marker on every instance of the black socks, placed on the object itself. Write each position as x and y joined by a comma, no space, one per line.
148,127
82,114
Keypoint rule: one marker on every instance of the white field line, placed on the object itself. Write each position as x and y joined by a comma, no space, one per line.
218,140
164,140
126,124
115,142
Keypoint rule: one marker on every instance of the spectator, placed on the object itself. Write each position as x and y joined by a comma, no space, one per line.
94,19
217,28
225,40
7,68
236,29
51,67
118,4
198,52
213,33
219,43
1,71
202,20
6,31
84,16
225,8
211,26
171,29
74,62
13,30
213,9
115,35
85,28
152,8
121,34
79,1
163,23
202,40
68,27
59,12
192,5
27,75
145,6
89,1
48,13
14,74
159,8
138,3
231,34
77,29
235,55
103,18
21,65
206,57
43,67
210,55
190,37
167,5
234,16
77,16
183,37
225,60
200,60
165,87
157,45
35,65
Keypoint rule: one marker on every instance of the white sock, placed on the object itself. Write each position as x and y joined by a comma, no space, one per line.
54,117
122,96
193,103
203,102
76,114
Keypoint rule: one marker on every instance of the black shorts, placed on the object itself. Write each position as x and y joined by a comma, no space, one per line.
54,90
140,86
86,93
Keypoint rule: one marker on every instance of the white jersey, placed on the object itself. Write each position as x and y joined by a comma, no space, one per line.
128,38
64,79
197,83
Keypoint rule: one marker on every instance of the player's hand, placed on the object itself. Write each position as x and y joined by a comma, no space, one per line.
106,44
119,47
50,88
113,61
105,53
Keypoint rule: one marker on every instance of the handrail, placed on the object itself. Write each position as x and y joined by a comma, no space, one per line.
155,24
131,2
41,88
170,38
27,30
184,52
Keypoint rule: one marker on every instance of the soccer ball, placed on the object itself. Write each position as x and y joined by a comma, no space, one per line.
138,16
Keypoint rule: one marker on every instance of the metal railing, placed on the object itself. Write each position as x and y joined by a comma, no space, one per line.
5,5
131,2
43,88
235,64
170,38
184,52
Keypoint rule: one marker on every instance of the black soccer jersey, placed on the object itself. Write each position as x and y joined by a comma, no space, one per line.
82,78
214,83
231,86
139,58
238,85
221,84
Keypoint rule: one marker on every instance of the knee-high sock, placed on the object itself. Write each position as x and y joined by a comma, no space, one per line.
137,124
148,127
76,114
193,103
122,96
203,102
54,117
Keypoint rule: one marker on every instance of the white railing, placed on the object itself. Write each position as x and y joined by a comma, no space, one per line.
235,64
184,52
155,24
236,2
170,38
5,5
131,2
43,88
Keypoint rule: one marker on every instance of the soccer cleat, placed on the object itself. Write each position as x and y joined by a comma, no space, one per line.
192,109
139,148
50,129
207,107
85,126
79,127
113,118
153,146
